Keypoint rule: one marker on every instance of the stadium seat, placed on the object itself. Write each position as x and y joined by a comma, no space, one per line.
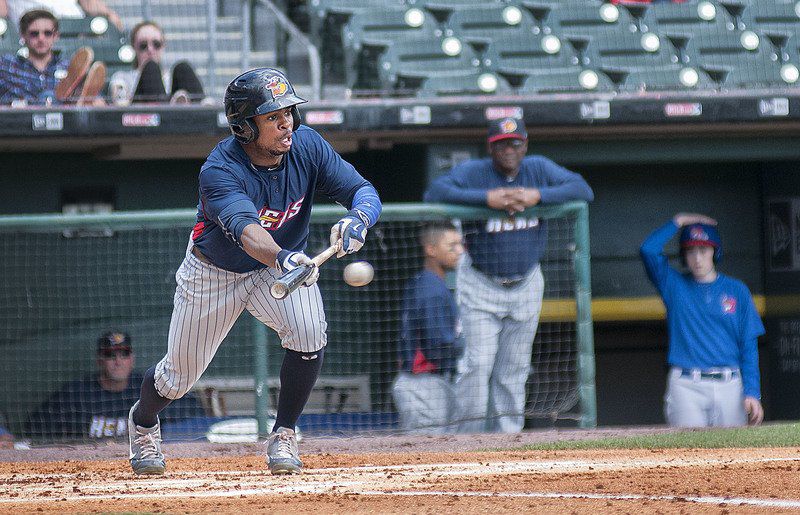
425,58
692,17
367,33
485,22
474,83
567,81
9,37
515,57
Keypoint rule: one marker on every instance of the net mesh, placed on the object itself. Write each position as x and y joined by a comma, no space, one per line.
65,285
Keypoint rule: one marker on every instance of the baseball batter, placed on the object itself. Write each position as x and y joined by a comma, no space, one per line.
713,329
430,333
256,191
499,281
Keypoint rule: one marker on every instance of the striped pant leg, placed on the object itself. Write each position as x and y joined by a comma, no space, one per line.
299,319
208,300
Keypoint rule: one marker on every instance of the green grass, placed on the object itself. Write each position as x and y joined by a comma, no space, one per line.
773,435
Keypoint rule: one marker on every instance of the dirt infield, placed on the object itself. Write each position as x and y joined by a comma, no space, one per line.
395,475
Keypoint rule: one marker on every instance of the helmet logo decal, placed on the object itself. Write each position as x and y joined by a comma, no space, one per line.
277,86
698,234
508,126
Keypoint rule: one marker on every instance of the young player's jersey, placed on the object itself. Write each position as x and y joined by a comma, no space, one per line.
83,409
430,326
710,324
507,247
234,193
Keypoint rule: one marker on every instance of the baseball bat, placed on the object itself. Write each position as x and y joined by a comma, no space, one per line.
291,280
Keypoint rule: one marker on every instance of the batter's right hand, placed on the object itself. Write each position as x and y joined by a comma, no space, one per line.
288,260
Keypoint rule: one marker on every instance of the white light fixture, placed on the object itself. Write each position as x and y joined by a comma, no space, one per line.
609,13
414,17
551,44
650,42
487,82
512,15
451,46
126,53
706,11
588,79
98,25
3,26
790,73
749,40
689,77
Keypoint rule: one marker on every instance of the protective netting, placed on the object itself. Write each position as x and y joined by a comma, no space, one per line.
64,284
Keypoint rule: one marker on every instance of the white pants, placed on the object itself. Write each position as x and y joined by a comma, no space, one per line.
208,300
424,402
499,328
691,401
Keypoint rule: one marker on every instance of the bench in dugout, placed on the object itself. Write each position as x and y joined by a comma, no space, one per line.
235,397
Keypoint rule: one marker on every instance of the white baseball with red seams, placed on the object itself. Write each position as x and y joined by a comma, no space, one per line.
359,273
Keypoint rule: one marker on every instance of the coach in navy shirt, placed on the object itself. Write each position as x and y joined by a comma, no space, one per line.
500,284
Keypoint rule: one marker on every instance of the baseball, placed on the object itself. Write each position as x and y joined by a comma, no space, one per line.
359,273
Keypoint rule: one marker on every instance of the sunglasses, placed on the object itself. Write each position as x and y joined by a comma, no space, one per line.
156,44
513,143
112,354
36,33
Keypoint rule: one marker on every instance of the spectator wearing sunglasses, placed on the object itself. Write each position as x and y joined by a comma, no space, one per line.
147,81
40,75
96,406
13,10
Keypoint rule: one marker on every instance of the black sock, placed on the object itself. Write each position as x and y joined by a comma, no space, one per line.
299,373
183,77
150,87
150,402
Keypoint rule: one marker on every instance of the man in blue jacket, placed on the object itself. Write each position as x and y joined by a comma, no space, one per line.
499,282
713,329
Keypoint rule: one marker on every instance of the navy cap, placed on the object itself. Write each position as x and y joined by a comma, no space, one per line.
506,128
114,340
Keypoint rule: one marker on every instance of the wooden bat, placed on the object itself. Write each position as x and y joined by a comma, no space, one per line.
291,280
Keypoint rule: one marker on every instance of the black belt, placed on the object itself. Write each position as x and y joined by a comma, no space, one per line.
689,372
505,282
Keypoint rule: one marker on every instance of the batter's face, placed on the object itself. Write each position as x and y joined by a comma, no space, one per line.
274,133
507,154
40,37
116,365
700,262
447,250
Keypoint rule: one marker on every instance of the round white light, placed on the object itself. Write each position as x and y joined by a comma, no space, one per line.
706,11
790,73
414,17
588,79
451,46
689,77
797,9
609,13
23,52
126,53
650,42
98,25
512,15
749,40
551,44
487,82
3,26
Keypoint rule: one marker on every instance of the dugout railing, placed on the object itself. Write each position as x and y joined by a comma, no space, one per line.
65,279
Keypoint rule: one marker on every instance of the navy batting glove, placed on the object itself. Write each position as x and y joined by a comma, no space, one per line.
352,231
288,260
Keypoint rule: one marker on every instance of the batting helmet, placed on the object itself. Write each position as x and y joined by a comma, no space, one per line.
701,234
256,92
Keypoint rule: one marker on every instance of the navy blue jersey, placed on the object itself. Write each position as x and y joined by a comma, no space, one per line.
507,247
83,409
430,327
234,194
710,324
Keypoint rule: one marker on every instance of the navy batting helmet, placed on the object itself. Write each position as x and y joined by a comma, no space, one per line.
701,234
256,92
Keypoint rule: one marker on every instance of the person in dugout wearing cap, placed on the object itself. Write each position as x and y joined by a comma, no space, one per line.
96,406
499,283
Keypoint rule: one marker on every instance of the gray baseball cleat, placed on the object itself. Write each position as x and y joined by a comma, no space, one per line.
145,444
282,453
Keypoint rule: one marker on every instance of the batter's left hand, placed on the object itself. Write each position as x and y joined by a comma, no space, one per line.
352,231
754,410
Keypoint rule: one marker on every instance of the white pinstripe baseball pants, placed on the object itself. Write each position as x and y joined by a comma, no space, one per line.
208,300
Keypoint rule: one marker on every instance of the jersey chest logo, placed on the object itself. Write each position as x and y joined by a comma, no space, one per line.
271,219
728,305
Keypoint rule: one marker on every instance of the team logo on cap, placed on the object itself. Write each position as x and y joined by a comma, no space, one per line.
116,338
728,305
698,234
277,86
508,126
